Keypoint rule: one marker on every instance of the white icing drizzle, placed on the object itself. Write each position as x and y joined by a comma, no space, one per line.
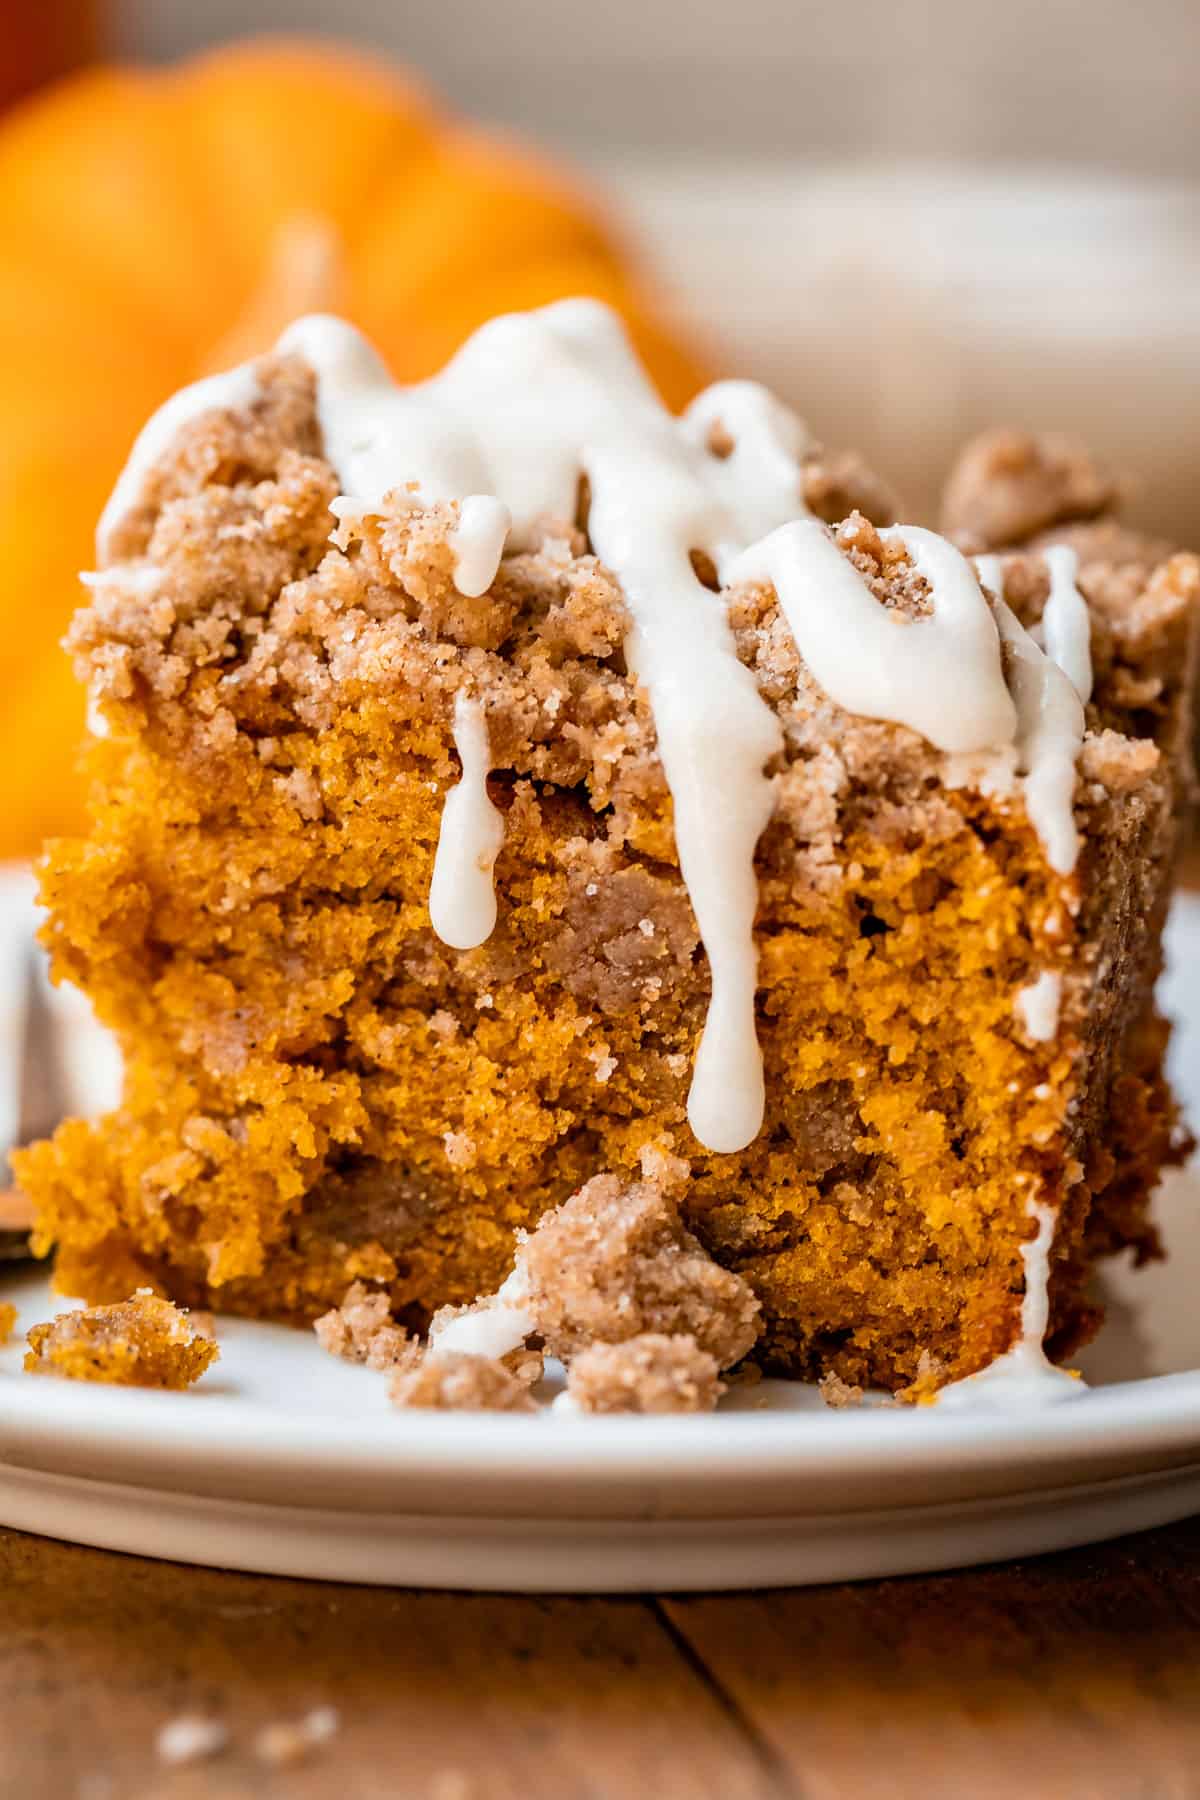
487,1329
769,443
1049,688
495,1325
940,675
1049,738
136,578
234,389
1065,632
531,406
990,570
94,719
1037,1006
462,894
478,543
1066,621
1024,1375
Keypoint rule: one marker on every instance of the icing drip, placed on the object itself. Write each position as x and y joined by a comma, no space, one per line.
939,675
1066,622
1065,632
1024,1375
1036,1006
1050,718
990,570
768,443
1049,739
478,543
462,895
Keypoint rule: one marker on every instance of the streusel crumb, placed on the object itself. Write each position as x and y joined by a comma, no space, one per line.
1009,485
452,1382
615,1261
838,1393
287,1741
8,1318
652,1373
362,1330
139,1342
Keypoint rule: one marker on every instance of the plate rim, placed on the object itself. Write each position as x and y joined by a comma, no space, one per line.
127,1434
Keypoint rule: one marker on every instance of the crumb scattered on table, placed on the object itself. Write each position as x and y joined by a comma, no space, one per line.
8,1318
140,1342
190,1738
289,1740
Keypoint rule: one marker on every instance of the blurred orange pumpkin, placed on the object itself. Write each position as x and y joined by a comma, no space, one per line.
157,224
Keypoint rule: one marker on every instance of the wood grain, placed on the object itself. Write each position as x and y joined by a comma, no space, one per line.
1074,1677
441,1697
1065,1678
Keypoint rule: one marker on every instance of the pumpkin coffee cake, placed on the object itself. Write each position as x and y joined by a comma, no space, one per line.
511,803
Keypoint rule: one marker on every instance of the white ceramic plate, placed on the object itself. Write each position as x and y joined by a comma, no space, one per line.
285,1461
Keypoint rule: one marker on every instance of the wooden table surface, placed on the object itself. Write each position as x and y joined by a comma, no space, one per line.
1072,1677
1069,1677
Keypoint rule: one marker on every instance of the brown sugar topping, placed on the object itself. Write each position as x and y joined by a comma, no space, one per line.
1007,486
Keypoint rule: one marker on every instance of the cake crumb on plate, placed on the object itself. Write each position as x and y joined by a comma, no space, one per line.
838,1393
652,1373
362,1330
139,1342
452,1381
